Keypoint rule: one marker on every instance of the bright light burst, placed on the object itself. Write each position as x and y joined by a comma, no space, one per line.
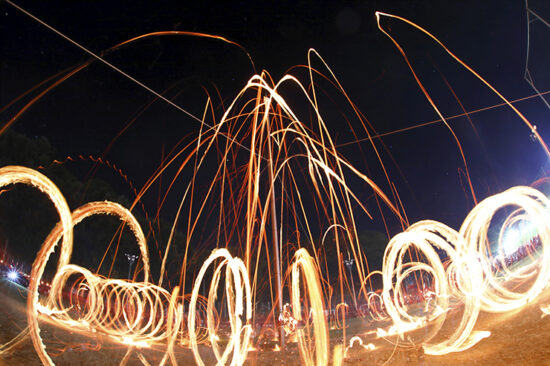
13,275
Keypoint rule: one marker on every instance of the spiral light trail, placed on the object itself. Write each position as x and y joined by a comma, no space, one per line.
289,167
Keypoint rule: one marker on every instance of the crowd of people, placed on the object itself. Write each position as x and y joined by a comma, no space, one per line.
522,252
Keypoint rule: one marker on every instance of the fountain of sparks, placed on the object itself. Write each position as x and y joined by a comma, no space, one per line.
461,271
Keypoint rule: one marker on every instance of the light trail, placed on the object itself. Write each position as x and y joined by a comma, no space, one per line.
112,66
472,71
267,171
239,304
140,314
313,343
136,314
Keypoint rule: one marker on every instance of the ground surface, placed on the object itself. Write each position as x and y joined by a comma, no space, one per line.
522,338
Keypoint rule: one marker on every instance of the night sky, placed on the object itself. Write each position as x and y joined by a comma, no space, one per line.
82,115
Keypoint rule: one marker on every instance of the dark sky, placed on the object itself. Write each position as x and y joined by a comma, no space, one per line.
82,115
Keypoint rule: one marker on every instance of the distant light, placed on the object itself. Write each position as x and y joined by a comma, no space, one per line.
512,240
12,275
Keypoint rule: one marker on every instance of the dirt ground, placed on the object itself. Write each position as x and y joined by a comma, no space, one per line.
521,338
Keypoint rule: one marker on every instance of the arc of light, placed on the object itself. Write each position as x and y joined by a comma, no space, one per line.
17,174
527,123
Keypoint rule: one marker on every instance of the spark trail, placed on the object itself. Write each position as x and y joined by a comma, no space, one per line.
268,171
